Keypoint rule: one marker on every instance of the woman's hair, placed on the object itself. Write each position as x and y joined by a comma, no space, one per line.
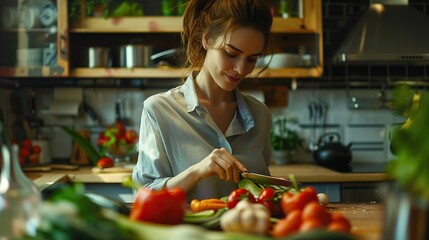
214,18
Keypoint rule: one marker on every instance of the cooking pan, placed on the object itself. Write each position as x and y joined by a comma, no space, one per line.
135,55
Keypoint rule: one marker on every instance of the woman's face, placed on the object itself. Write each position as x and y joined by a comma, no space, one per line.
229,61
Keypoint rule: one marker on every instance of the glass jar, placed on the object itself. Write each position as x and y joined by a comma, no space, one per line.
19,198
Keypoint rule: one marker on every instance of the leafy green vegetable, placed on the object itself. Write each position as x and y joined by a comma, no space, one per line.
411,144
69,214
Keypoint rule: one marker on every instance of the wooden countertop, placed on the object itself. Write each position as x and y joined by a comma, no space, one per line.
304,172
366,218
312,173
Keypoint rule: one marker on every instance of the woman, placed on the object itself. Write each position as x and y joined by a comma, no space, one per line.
200,135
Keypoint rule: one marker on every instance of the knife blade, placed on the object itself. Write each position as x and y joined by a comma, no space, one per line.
264,179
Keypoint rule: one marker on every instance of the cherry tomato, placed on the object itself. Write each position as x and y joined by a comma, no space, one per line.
270,198
26,143
288,225
339,227
34,158
340,219
36,149
105,162
310,225
24,152
238,195
292,201
266,197
314,211
131,136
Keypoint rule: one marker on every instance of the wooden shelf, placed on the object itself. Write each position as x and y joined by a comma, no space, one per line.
36,71
166,25
169,72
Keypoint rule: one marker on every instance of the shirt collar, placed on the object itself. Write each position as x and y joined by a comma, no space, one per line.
189,93
191,100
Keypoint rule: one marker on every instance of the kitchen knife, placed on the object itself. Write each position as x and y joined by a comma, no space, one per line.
264,179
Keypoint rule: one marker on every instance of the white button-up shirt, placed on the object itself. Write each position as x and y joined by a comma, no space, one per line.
177,132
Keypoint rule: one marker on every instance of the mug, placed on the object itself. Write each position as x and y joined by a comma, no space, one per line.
9,17
30,17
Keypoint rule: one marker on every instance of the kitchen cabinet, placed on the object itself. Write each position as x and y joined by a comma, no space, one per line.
34,37
303,34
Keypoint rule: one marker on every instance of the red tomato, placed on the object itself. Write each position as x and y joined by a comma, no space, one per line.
292,201
36,149
166,206
310,224
266,197
102,139
288,225
314,211
105,162
238,195
120,126
26,143
339,218
270,198
131,136
339,227
24,152
34,158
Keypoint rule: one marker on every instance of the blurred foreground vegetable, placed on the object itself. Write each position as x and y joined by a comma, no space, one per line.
410,142
166,206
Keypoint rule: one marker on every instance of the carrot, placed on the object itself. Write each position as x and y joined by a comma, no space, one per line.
207,204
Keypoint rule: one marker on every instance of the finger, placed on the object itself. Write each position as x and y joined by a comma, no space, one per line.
239,165
226,161
218,170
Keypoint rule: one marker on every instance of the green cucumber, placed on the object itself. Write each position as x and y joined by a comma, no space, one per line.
206,213
204,218
214,222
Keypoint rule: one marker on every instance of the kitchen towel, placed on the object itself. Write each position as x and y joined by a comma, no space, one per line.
66,102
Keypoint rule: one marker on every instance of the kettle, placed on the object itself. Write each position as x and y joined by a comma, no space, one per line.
331,153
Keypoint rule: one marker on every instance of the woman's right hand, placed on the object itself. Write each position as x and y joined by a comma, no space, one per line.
220,162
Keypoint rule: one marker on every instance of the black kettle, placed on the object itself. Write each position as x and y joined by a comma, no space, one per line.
331,153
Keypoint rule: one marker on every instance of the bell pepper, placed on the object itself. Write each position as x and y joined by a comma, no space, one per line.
166,206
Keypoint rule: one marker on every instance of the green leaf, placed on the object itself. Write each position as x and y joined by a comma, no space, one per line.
85,144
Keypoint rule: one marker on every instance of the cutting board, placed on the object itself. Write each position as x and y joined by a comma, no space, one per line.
117,169
48,167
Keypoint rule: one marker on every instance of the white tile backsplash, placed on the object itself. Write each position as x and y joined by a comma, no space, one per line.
364,128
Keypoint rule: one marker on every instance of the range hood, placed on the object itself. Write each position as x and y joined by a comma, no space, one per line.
387,31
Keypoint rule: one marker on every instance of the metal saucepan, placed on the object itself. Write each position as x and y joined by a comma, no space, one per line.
135,55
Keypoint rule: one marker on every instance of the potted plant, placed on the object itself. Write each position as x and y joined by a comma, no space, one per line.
408,196
285,138
105,8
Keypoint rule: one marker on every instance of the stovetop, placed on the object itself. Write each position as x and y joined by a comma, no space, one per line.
368,167
361,167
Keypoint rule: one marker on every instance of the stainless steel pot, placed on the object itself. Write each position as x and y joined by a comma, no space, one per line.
98,57
135,55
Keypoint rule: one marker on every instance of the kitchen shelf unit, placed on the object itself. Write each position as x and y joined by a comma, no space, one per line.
309,25
20,37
